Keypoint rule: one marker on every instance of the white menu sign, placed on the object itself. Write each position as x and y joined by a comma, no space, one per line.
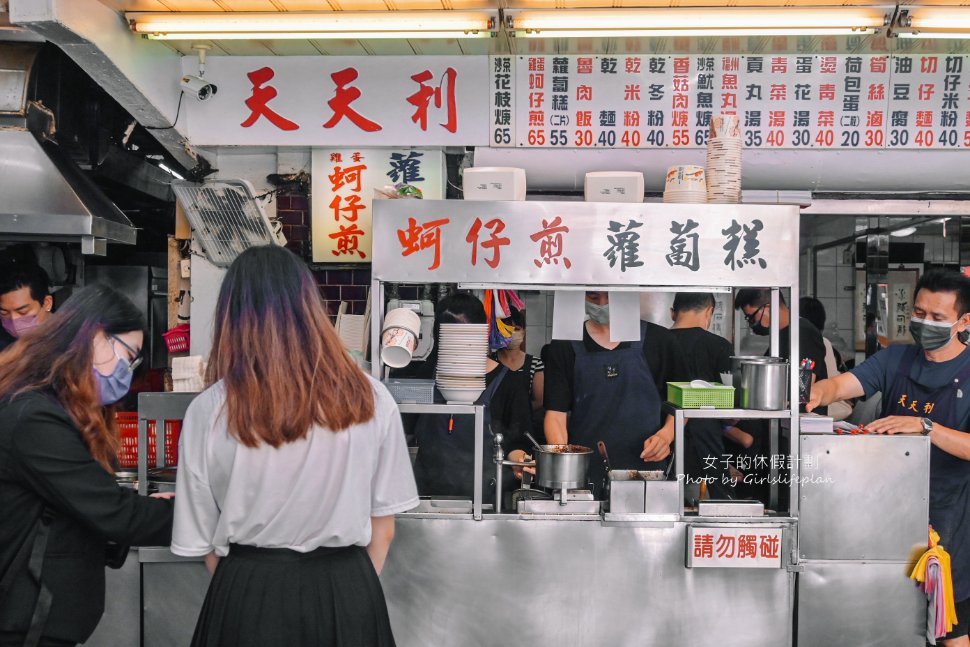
584,243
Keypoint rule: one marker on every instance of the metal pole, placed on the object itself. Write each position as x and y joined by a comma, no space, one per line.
377,320
679,455
142,456
773,424
499,457
793,429
479,455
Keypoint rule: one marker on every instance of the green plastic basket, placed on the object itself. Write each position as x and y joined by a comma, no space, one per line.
684,396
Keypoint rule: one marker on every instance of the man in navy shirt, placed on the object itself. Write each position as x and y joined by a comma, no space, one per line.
922,389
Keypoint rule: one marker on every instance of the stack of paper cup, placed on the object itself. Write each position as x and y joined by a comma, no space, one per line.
399,337
724,160
685,184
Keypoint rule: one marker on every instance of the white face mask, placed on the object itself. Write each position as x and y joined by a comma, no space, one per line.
517,338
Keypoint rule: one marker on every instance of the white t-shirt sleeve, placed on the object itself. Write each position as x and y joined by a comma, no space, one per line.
196,511
393,488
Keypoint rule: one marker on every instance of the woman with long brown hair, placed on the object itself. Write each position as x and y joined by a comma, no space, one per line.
58,446
293,463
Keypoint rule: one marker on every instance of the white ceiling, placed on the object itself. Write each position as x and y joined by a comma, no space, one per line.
501,44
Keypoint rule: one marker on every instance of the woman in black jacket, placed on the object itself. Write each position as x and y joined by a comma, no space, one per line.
58,446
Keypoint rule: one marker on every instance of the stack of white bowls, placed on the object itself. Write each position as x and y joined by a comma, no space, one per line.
685,185
462,359
724,160
399,337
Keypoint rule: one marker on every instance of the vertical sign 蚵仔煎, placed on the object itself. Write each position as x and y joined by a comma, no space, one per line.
343,187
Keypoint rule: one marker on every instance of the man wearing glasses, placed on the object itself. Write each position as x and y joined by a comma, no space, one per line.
751,436
755,304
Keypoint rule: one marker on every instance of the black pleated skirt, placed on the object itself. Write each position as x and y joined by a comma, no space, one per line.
262,597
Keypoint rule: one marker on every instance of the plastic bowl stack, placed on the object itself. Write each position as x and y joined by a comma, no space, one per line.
724,160
462,359
685,185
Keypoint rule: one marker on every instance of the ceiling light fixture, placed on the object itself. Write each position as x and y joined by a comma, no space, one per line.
932,22
728,21
311,25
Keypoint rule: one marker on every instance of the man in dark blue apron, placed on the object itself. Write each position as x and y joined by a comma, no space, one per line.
598,389
926,390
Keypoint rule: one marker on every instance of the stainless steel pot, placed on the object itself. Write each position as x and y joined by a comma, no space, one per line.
736,362
562,466
764,385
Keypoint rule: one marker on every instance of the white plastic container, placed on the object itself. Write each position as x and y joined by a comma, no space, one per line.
614,186
494,183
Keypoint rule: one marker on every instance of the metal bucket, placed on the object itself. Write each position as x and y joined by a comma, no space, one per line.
736,362
562,466
764,385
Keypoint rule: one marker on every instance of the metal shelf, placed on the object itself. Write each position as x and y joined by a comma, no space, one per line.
459,409
740,414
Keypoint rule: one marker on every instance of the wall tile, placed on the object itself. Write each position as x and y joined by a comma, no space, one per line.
825,285
827,257
353,293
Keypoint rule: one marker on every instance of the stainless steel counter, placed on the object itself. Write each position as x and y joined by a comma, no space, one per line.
510,580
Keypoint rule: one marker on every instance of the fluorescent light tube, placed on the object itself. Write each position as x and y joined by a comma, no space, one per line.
732,21
311,25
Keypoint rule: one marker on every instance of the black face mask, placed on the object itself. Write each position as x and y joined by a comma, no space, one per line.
755,324
760,330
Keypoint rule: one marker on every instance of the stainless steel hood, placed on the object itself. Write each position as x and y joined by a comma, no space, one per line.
44,196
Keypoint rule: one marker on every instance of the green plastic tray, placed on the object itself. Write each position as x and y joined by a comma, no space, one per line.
684,396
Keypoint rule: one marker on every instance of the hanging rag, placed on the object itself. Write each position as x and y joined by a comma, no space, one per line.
934,577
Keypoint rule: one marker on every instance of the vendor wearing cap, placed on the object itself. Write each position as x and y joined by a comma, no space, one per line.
925,391
598,389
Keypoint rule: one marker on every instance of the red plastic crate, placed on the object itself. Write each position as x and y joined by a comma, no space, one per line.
177,339
127,422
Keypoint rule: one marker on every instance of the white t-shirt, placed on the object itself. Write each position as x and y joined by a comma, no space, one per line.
321,490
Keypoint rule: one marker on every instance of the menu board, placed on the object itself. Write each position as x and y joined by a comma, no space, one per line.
783,101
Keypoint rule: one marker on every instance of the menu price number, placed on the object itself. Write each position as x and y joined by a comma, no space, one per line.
949,138
631,138
502,136
875,138
898,137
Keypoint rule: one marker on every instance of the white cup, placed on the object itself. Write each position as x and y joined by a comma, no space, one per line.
397,346
403,318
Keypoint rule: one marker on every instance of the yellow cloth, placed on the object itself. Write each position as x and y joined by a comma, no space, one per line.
943,557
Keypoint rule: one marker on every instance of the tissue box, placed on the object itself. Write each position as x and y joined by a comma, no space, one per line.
494,183
614,186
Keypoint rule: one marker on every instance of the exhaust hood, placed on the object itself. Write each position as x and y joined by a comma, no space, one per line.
44,196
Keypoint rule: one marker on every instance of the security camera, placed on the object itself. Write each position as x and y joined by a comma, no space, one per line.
195,85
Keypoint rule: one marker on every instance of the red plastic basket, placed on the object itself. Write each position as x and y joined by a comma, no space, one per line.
128,430
177,339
